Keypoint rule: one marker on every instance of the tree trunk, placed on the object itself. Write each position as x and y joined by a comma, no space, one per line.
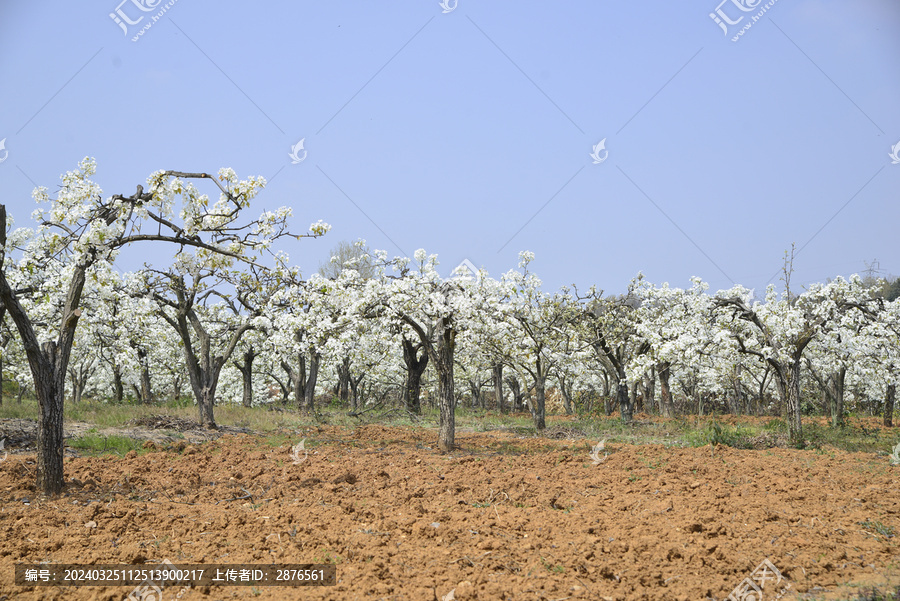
738,390
50,442
446,343
497,374
204,366
344,379
566,397
146,391
118,386
49,364
246,369
353,392
516,390
415,367
204,378
789,387
763,384
539,410
648,386
297,378
889,396
413,391
176,387
624,402
205,393
613,357
78,384
837,397
666,406
309,392
356,398
282,389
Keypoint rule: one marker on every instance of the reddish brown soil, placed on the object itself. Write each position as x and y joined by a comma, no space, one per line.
502,518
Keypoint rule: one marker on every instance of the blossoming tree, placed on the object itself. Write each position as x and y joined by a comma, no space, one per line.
83,229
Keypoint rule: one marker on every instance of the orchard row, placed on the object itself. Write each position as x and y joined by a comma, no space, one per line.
227,317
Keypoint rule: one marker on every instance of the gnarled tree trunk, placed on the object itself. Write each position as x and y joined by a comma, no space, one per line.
446,344
246,369
415,367
666,406
49,364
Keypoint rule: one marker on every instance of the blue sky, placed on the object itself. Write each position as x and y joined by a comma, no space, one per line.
469,132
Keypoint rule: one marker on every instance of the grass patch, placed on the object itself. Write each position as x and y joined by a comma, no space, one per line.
853,436
878,528
716,433
281,425
24,410
93,444
280,439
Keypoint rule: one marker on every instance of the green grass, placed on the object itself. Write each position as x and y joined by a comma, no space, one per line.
852,437
878,528
12,410
715,433
281,427
95,444
119,415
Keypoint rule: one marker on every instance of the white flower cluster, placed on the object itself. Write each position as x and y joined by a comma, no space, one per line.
319,228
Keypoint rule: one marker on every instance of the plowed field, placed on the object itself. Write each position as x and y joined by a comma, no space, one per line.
504,517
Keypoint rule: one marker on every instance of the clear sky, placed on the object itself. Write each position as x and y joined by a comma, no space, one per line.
469,132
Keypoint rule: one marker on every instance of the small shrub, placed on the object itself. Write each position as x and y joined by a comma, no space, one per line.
715,433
